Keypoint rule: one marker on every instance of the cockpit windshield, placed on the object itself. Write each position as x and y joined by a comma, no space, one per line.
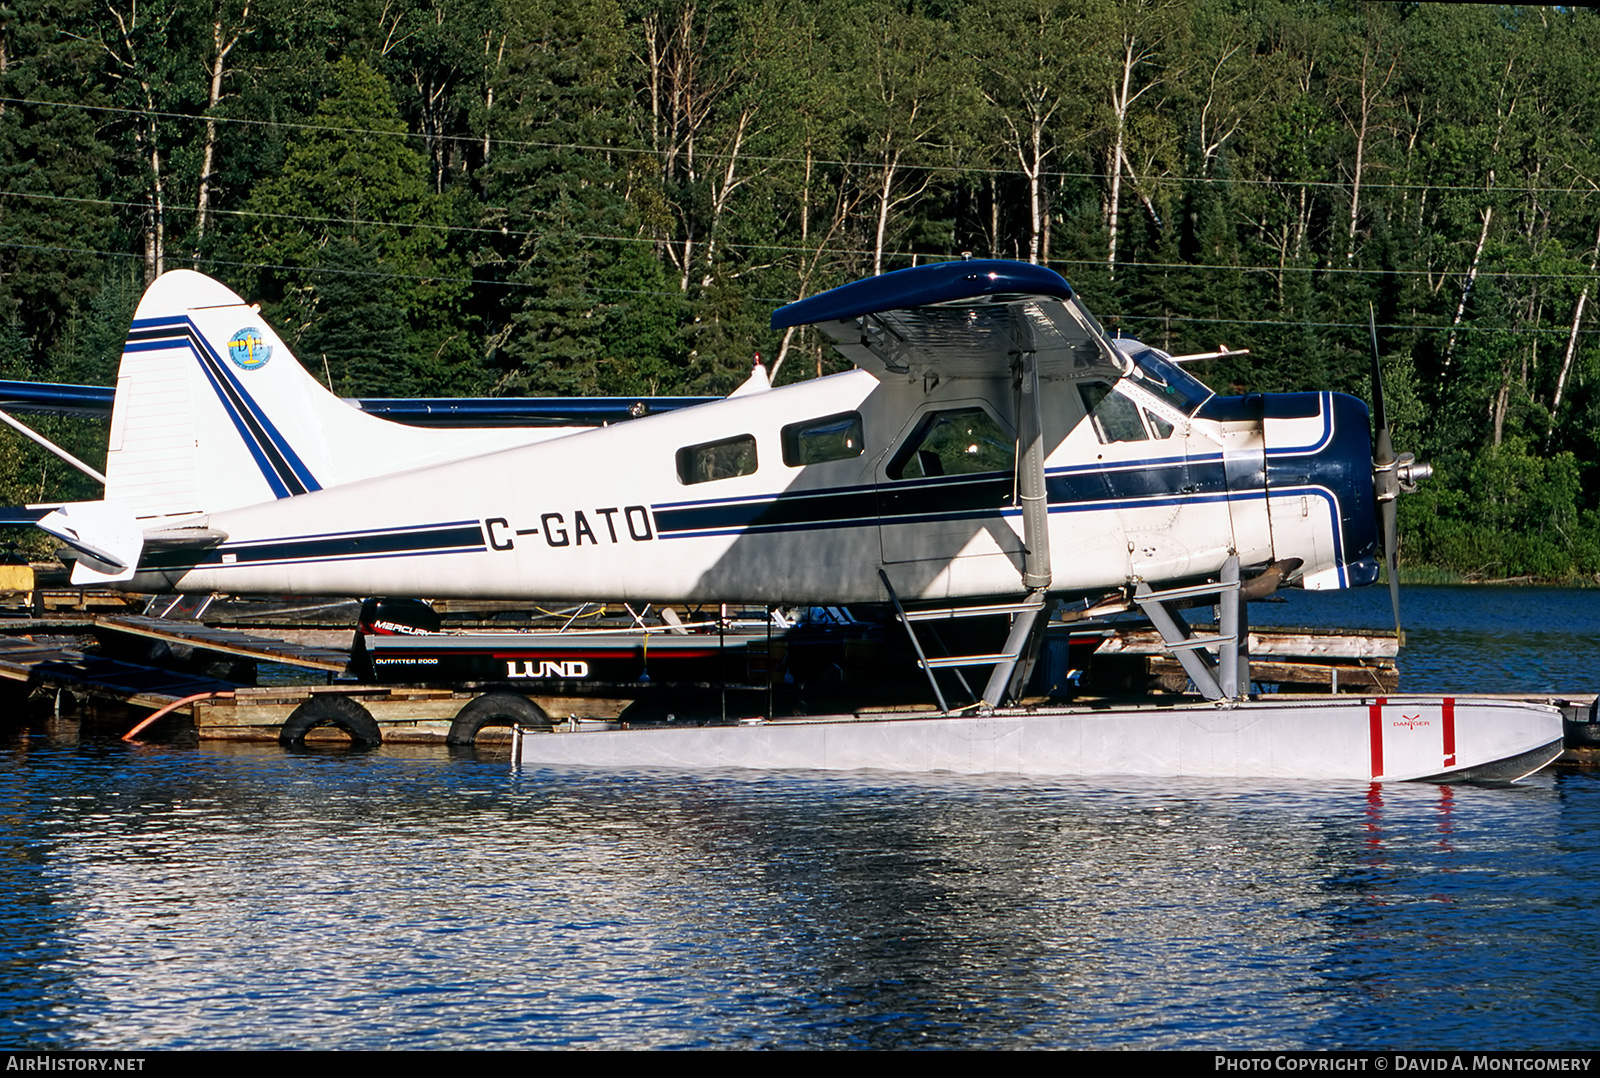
1089,319
1168,381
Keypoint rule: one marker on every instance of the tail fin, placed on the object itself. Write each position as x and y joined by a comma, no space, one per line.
214,412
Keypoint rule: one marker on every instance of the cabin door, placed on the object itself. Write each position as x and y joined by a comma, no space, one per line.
946,493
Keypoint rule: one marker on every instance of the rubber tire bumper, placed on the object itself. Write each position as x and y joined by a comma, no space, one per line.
494,709
340,712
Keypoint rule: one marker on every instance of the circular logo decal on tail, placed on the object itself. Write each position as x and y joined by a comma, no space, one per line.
248,350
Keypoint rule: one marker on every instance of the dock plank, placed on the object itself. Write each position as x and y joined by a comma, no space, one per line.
403,713
229,642
1375,677
143,686
1322,644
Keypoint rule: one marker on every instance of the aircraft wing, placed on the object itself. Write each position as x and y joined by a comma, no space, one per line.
519,411
958,320
54,398
46,398
22,516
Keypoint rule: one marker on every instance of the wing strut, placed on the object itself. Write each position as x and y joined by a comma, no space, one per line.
28,432
1031,491
1035,499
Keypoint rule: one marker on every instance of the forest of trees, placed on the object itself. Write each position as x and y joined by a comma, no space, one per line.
469,197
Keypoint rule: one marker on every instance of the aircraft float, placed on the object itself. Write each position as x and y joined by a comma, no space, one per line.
995,452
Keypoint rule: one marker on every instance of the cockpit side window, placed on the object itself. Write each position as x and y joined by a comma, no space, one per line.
1115,417
834,437
723,459
964,441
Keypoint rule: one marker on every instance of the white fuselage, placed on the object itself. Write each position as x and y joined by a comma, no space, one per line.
608,513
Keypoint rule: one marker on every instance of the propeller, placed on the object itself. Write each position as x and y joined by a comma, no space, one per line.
1392,473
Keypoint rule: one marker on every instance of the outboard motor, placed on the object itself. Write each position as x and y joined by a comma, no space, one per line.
397,617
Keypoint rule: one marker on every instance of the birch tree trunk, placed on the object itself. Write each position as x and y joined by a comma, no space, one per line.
147,139
1367,103
1121,102
1503,113
1572,343
891,164
1140,45
220,49
1466,287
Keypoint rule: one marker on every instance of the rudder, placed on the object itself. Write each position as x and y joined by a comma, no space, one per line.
213,412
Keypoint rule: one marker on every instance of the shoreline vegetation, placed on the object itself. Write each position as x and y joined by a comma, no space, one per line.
609,197
1427,575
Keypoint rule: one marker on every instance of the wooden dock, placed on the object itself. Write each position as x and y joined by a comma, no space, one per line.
57,665
405,714
1332,660
232,642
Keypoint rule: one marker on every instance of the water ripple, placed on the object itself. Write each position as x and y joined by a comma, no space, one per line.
247,898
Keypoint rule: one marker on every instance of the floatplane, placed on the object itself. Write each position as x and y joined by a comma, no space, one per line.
995,452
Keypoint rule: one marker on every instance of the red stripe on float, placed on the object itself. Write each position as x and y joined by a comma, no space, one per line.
1449,709
1375,734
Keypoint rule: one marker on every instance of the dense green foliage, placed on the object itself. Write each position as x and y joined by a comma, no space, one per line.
609,196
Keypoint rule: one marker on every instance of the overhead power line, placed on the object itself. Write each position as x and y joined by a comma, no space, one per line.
707,153
480,230
599,293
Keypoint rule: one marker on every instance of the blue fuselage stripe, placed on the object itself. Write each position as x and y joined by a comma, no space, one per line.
946,499
456,538
1329,465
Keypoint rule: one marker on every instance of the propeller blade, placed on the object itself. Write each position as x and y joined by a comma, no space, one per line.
1391,561
1380,420
1385,478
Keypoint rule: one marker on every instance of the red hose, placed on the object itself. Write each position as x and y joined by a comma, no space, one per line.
226,694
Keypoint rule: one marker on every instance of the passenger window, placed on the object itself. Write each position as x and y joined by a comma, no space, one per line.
1160,427
717,460
834,437
1115,417
964,442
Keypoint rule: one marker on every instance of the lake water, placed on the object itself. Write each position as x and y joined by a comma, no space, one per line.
245,897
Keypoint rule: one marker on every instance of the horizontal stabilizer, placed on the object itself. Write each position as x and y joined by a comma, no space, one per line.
105,535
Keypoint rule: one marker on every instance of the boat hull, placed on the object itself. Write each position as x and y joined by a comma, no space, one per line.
1372,739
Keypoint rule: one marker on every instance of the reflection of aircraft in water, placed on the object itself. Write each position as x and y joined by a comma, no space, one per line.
995,450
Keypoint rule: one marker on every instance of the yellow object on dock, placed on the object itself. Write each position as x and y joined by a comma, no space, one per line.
15,578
